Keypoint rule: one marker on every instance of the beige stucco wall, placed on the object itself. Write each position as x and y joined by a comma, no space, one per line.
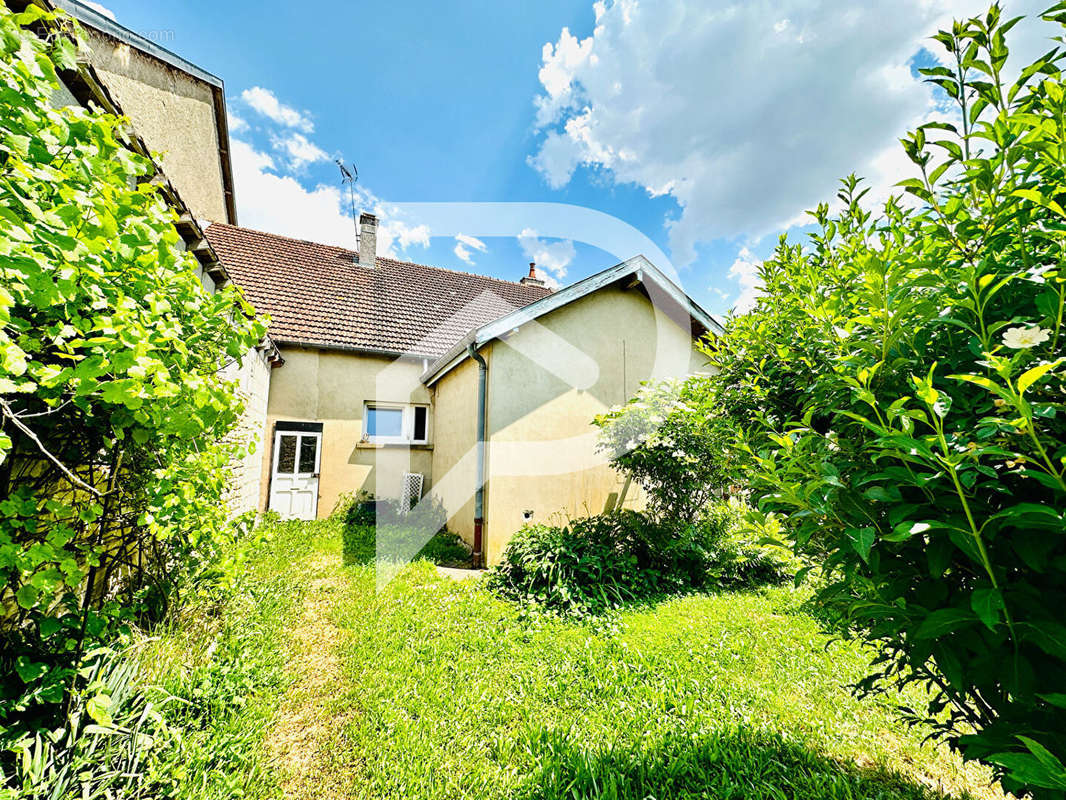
546,383
175,115
331,387
454,453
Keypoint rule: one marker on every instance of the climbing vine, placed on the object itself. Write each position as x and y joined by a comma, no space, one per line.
113,408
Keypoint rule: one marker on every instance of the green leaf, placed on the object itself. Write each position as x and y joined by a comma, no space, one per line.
1044,756
1031,376
862,539
26,596
985,383
99,708
28,670
48,626
987,604
944,621
906,530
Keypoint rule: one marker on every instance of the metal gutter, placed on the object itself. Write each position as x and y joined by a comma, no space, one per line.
479,489
351,348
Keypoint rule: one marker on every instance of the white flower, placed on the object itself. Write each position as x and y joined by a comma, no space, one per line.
631,445
1025,337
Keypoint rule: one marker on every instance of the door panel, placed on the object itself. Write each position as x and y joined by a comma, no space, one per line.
294,481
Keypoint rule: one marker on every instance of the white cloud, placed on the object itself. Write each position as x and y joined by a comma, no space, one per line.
270,201
299,150
559,63
744,117
393,232
100,8
745,270
237,124
464,244
266,103
552,258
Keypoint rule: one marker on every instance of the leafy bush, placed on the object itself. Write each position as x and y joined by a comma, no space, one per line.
668,439
418,532
596,563
901,387
113,466
743,550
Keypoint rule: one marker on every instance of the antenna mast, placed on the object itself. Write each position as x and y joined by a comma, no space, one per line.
349,178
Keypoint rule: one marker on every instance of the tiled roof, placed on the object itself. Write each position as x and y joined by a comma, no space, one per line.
320,295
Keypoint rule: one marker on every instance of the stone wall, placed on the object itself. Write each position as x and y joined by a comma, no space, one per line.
253,376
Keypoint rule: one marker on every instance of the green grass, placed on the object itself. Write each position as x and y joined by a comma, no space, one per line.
446,691
218,671
451,692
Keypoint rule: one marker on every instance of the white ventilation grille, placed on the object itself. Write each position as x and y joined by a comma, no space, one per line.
411,492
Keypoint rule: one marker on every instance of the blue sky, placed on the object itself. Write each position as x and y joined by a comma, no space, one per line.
708,127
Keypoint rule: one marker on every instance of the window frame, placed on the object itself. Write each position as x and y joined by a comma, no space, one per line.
300,436
407,424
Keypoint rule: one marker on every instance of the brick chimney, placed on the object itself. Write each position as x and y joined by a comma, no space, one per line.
368,240
531,279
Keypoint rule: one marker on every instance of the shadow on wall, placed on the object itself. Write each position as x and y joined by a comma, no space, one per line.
739,764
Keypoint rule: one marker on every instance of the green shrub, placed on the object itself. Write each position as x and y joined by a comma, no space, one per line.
901,387
741,548
596,563
106,746
582,568
669,440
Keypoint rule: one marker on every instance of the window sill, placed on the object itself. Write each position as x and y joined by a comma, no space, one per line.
392,446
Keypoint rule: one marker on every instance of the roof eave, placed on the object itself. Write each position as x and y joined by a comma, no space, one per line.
520,316
340,347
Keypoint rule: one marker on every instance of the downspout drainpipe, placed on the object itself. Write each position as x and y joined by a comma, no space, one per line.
479,494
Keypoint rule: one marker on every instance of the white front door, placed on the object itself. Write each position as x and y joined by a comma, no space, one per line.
294,481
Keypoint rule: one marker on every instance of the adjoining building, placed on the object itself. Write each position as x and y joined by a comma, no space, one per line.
177,112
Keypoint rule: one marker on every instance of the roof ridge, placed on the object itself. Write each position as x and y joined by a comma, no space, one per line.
355,253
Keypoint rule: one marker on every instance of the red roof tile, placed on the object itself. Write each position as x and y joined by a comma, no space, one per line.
319,294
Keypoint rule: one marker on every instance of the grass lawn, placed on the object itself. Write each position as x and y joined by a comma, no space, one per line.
434,688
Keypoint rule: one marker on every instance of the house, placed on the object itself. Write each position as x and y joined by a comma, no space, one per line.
177,111
402,379
396,378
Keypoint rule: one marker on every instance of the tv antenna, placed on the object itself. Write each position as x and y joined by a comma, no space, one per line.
350,177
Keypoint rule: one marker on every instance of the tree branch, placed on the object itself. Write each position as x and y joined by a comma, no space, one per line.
18,423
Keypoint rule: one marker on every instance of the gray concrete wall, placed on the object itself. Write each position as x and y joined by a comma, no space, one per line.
175,115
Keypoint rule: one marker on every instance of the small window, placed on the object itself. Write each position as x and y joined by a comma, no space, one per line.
421,417
308,453
287,455
395,423
385,423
